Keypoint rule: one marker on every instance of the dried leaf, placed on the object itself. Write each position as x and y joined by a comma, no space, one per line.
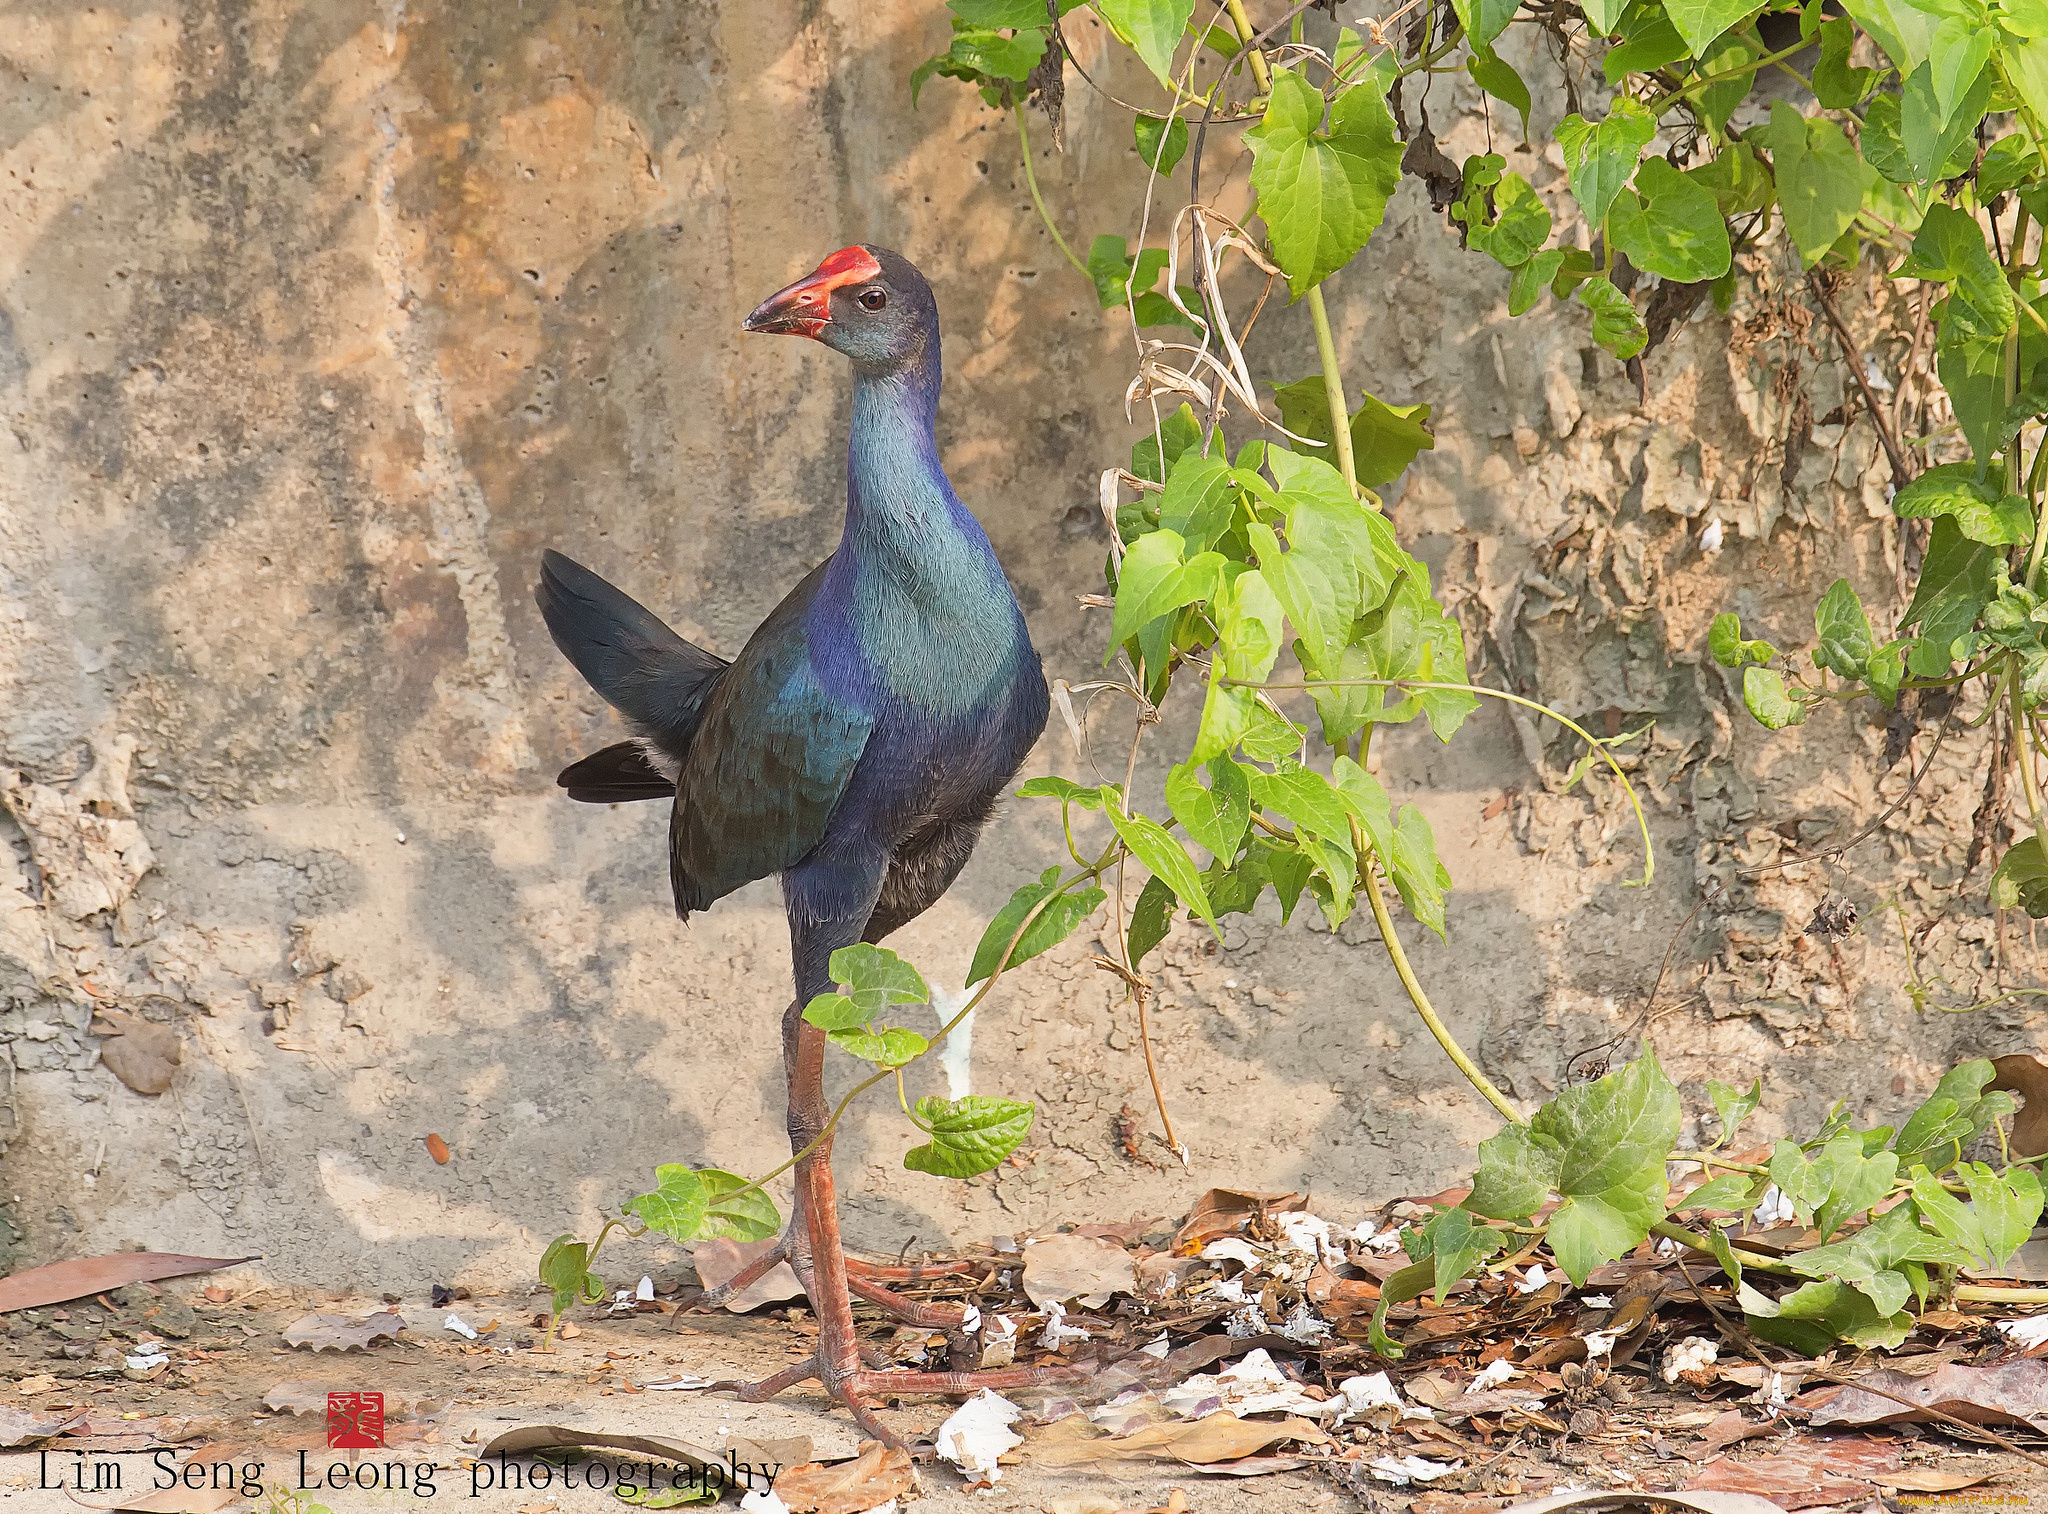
81,1277
40,1382
1070,1267
1704,1502
299,1396
2027,1077
878,1474
1729,1428
179,1500
1202,1442
139,1052
1222,1211
322,1332
528,1439
437,1149
18,1427
718,1260
2015,1393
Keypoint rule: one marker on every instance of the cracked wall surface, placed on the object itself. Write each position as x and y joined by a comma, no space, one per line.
319,321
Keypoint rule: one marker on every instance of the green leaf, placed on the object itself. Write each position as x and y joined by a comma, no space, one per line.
1950,248
1820,178
1153,581
1053,926
1962,46
565,1269
1150,28
1887,668
1817,1314
1483,20
1151,917
2022,879
1215,816
1845,639
1249,626
997,56
2007,163
1904,30
1675,230
1731,1191
1167,860
1181,432
1161,142
1322,194
654,1498
1200,501
1617,324
1973,373
1384,440
1648,42
891,1046
1851,1181
1116,273
1068,792
1765,696
1724,640
969,1135
1403,1287
1733,1106
1521,225
1837,84
1955,1114
704,1204
1601,1148
874,978
1867,1261
1305,797
1601,158
1500,80
1982,513
1995,1223
1955,585
1418,875
1005,13
1738,181
1526,287
1456,1244
1701,21
1717,102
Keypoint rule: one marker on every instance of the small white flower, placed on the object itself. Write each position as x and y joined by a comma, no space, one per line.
1775,1208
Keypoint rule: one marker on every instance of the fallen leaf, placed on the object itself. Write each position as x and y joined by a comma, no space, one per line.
1221,1211
1217,1438
81,1277
179,1500
437,1149
299,1396
1728,1428
1082,1503
528,1439
1948,1319
2014,1393
217,1295
718,1260
2028,1077
570,1330
139,1052
41,1382
1787,1482
322,1332
1703,1502
18,1428
1067,1268
878,1474
770,1455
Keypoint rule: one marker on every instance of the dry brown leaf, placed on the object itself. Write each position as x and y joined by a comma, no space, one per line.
1789,1482
528,1439
1726,1429
139,1052
2027,1077
718,1260
1201,1442
878,1474
83,1276
298,1396
2014,1393
40,1382
437,1148
18,1427
178,1500
323,1332
774,1454
1069,1267
1705,1502
1221,1211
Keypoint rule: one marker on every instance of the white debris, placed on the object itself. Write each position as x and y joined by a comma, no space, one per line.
1158,1348
1057,1330
1596,1301
1302,1326
645,1292
1228,1290
1710,539
1254,1385
147,1361
976,1434
685,1383
2025,1333
1374,1400
768,1502
623,1302
999,1342
1402,1470
1694,1354
1535,1280
1247,1322
1772,1395
1231,1249
1600,1342
1310,1233
1492,1375
460,1326
1774,1209
970,1321
1666,1246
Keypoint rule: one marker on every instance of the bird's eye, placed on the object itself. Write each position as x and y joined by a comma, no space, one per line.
873,299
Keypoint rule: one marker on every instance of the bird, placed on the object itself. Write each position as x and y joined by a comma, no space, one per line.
854,749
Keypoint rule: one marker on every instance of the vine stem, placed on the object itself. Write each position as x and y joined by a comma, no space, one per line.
1369,876
1031,182
1333,389
2023,738
1242,24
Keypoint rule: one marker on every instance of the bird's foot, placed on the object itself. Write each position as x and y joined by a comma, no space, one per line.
855,1389
904,1310
746,1277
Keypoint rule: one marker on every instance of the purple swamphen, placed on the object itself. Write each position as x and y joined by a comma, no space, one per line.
855,747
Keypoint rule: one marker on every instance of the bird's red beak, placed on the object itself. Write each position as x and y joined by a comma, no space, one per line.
805,307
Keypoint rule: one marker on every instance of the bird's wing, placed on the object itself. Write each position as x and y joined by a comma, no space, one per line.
769,761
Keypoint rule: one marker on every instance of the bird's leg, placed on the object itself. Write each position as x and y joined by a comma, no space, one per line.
746,1277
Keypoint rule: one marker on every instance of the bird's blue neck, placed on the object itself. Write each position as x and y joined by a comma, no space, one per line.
915,586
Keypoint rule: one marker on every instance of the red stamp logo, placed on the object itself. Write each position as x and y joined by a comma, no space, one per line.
355,1421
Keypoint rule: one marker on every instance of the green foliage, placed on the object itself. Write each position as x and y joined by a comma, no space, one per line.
1048,928
704,1203
1385,438
968,1136
1322,191
565,1270
2022,879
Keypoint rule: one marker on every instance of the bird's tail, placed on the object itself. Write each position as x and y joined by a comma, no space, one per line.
646,672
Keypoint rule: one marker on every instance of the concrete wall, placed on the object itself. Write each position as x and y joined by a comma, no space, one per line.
318,321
